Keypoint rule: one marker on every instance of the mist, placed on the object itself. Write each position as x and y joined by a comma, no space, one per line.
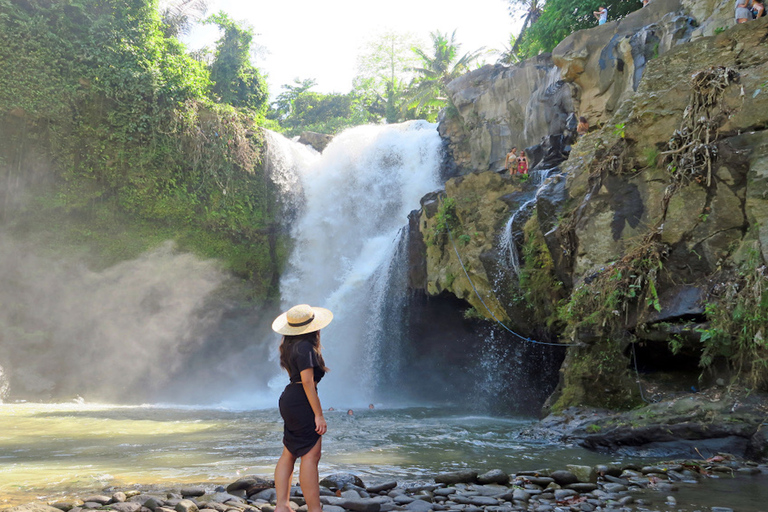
158,327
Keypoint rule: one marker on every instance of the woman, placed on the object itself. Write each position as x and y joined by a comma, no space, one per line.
300,407
758,9
742,11
522,164
510,163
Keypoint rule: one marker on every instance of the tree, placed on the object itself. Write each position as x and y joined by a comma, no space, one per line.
236,81
283,105
561,18
298,109
532,10
428,92
179,15
383,70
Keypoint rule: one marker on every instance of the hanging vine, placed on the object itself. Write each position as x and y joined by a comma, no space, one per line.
692,148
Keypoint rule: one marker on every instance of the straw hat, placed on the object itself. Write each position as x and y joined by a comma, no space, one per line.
302,319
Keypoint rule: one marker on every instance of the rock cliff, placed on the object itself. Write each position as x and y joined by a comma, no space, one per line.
645,248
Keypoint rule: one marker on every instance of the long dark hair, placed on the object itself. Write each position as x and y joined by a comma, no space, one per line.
288,342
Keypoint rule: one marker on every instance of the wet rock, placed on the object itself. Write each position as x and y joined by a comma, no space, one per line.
417,506
562,494
520,495
583,473
124,507
101,499
483,501
119,497
457,477
266,495
186,506
318,141
192,492
445,491
563,477
150,502
543,481
582,487
373,489
339,480
613,488
403,499
495,476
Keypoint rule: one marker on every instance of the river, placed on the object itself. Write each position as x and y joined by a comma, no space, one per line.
49,452
54,450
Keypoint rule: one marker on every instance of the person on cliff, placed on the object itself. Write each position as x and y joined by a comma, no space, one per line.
522,164
758,9
304,424
510,163
601,14
743,14
583,127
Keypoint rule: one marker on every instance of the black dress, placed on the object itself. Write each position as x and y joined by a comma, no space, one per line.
299,435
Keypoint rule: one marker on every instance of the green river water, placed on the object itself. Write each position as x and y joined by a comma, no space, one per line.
53,451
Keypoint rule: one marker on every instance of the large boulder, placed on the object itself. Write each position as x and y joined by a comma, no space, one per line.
605,63
500,106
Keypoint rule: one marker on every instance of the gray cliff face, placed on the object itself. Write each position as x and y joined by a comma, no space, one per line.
589,74
499,106
633,80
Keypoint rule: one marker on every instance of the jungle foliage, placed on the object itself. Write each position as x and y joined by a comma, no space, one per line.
560,18
137,132
299,109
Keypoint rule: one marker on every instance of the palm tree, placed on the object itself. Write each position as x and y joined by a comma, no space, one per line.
532,14
178,16
428,89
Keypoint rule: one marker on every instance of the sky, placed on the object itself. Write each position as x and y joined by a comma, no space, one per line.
321,40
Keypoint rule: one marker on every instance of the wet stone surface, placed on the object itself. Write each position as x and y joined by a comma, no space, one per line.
576,489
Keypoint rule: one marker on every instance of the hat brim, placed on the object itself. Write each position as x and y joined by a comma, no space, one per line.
322,318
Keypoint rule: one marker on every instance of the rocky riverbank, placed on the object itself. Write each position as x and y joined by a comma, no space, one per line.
576,488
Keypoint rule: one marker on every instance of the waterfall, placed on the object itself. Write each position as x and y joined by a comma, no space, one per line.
512,232
355,201
4,385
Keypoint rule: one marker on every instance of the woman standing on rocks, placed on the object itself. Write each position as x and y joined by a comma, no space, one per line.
300,407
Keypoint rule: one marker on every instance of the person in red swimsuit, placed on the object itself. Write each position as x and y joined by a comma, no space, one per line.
522,163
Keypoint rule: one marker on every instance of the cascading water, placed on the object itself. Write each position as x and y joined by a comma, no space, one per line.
356,198
513,228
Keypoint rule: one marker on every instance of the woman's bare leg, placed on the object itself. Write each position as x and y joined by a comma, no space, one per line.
309,478
283,480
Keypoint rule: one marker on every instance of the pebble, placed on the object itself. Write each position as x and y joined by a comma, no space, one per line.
530,491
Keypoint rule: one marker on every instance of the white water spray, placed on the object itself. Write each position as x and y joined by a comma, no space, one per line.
357,196
509,236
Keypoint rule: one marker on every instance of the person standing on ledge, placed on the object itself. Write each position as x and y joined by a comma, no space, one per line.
510,163
304,424
601,14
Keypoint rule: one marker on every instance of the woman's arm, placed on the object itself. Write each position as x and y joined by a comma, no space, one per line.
308,381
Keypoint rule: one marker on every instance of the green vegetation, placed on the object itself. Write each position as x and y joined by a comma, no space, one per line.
298,109
445,220
596,376
384,70
143,142
559,19
427,93
537,281
738,318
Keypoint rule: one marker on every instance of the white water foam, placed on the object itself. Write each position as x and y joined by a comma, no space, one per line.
356,198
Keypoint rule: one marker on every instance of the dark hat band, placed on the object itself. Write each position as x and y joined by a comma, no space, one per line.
305,322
